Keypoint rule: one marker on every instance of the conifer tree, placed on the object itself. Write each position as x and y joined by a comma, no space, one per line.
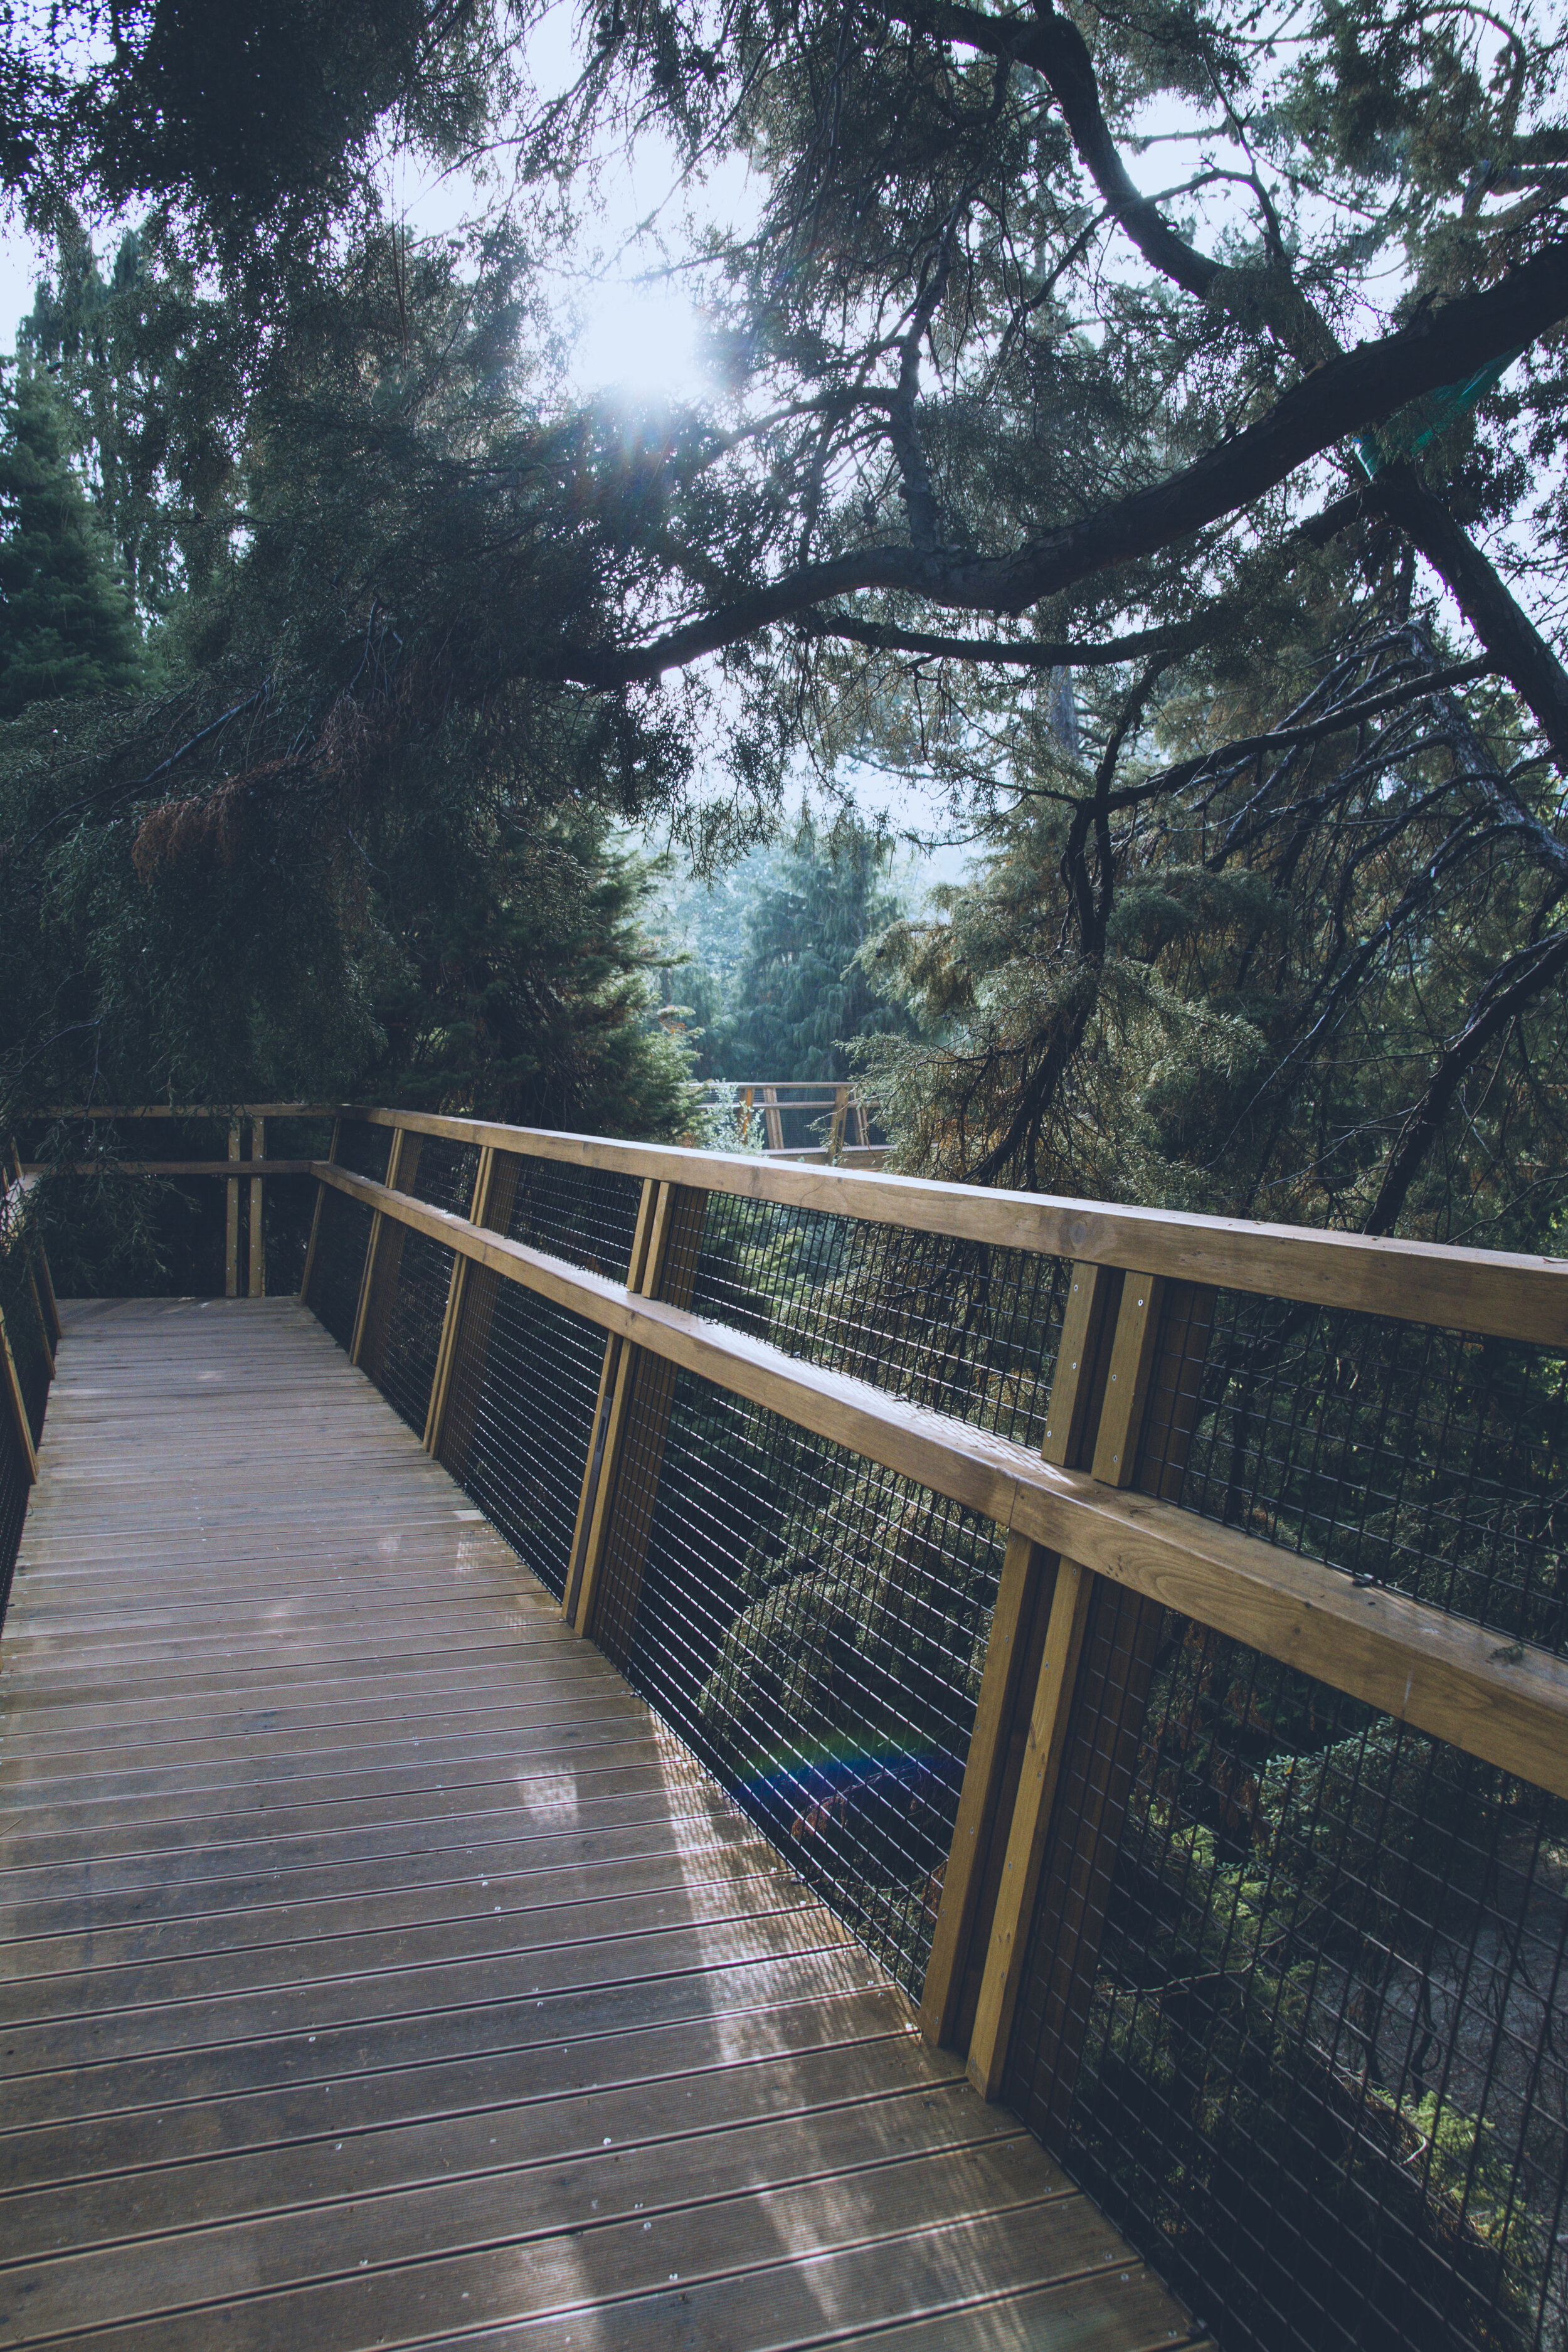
66,626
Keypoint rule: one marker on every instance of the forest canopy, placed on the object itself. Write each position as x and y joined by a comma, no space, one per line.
1140,427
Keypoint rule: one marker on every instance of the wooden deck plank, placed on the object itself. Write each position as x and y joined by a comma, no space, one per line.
374,1969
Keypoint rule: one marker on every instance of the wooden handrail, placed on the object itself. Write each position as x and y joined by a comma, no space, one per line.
1505,1703
1488,1293
186,1110
247,1168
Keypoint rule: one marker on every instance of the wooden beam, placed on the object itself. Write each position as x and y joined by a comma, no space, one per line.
1127,1380
16,1405
441,1385
1070,1595
973,1881
965,1872
1152,1326
1505,1294
40,1261
181,1168
316,1220
608,1424
384,1262
1505,1704
626,1489
386,1201
257,1272
92,1111
470,1344
231,1229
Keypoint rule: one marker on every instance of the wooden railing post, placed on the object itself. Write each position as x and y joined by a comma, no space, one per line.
368,1285
1007,1765
636,1394
231,1232
606,1430
256,1284
475,1313
18,1403
440,1387
38,1266
316,1219
1129,1444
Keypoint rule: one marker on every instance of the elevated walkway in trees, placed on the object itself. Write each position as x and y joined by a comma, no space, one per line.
377,1971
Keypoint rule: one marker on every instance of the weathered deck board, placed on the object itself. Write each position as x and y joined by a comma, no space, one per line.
375,1970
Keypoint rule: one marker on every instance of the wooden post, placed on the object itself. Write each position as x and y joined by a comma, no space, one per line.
256,1271
316,1220
976,1882
475,1313
626,1487
608,1424
18,1409
445,1352
39,1263
231,1242
367,1275
773,1118
1138,1435
840,1114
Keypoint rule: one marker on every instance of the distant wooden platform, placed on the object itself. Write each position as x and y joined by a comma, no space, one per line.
376,1971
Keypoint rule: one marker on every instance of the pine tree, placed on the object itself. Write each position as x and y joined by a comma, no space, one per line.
66,626
803,996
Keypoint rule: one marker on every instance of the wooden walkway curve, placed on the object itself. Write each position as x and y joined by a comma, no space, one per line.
376,1971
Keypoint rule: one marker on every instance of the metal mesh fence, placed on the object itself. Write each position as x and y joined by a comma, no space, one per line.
365,1149
958,1326
19,1311
1296,2011
14,1491
520,1417
435,1170
816,1627
414,1277
1408,1455
341,1240
586,1215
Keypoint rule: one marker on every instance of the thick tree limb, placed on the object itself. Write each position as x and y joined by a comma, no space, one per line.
1045,655
1053,46
1334,401
1509,635
1510,990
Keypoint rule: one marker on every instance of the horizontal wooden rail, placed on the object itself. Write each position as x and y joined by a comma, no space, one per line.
231,1169
1490,1293
1505,1703
186,1110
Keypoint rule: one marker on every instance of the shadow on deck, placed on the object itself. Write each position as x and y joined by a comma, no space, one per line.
376,1971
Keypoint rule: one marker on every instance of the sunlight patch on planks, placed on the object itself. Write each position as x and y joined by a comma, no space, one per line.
376,1971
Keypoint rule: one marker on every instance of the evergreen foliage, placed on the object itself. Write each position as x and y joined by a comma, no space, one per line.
803,997
65,628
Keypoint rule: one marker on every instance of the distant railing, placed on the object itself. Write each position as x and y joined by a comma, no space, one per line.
803,1119
1149,1631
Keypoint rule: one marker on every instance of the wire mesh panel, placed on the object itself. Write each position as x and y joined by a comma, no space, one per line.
586,1215
415,1277
956,1325
1296,2009
14,1491
342,1241
814,1627
1408,1455
365,1149
19,1311
434,1169
520,1416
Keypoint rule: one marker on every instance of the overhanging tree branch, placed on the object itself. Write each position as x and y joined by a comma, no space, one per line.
1335,400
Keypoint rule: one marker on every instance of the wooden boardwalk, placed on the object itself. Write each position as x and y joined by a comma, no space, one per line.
376,1971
